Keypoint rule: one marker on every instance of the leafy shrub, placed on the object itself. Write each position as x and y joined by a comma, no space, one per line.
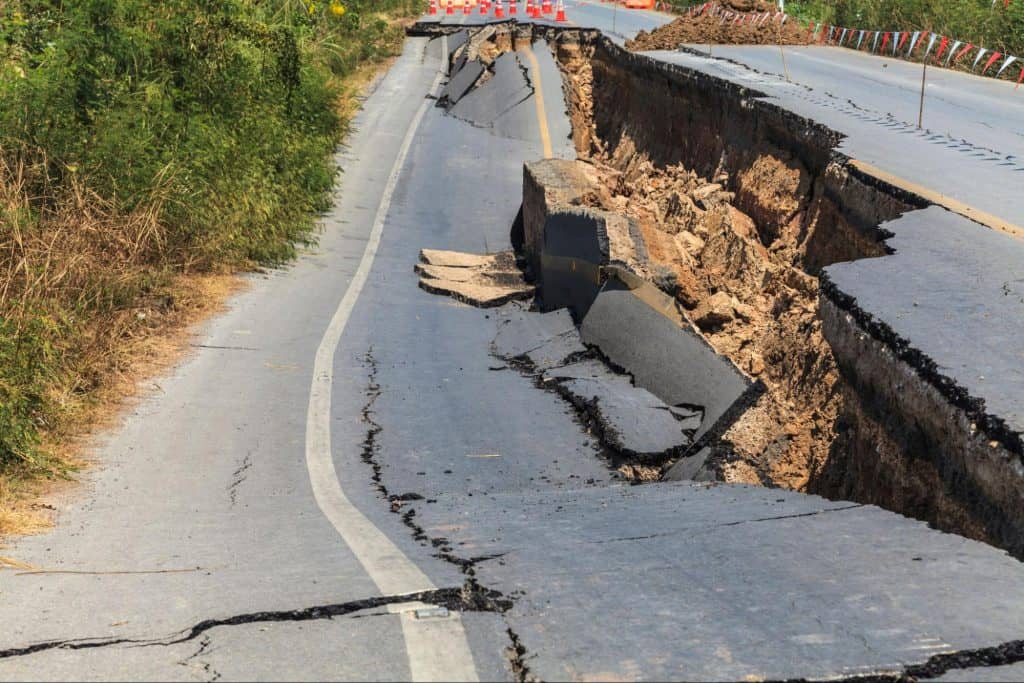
142,139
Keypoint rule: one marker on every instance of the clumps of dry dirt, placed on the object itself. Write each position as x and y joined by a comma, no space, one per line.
750,5
752,302
740,277
714,28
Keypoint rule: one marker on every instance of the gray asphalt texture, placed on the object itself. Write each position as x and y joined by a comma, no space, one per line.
206,478
955,291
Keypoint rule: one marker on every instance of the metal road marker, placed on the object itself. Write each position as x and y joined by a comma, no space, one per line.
437,649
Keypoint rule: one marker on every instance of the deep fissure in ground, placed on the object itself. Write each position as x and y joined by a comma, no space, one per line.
740,205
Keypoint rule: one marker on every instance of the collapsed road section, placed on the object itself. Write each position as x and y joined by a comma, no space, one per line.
759,233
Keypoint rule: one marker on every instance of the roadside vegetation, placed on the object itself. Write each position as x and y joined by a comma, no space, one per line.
147,149
993,25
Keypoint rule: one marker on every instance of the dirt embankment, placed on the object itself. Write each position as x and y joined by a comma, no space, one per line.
737,217
713,27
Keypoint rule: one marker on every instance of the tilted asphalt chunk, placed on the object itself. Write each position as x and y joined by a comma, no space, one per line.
455,42
575,245
670,361
461,83
507,88
633,421
691,468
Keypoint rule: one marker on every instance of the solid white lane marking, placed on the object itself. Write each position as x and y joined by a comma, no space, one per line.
431,655
384,562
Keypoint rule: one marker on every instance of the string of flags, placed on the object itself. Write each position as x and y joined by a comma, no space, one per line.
903,44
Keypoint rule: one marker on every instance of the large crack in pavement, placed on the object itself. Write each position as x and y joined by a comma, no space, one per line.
516,654
1004,654
467,598
204,648
714,527
473,593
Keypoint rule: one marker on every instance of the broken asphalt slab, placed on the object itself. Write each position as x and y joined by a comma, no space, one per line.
455,42
460,83
523,333
669,360
482,280
631,422
701,582
954,292
508,87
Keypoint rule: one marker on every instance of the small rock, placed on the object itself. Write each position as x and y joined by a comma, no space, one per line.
705,191
742,224
743,310
714,312
689,243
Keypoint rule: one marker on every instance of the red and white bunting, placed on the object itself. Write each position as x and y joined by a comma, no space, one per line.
1009,60
981,53
991,60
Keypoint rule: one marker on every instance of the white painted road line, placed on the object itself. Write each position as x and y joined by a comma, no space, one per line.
437,650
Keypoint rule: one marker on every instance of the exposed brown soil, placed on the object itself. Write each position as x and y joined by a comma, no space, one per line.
736,248
753,303
715,29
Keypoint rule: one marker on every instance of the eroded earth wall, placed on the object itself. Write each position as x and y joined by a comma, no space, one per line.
741,205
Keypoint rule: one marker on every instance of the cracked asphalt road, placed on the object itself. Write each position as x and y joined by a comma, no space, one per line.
199,549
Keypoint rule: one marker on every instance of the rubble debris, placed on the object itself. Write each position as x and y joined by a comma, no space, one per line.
482,280
710,28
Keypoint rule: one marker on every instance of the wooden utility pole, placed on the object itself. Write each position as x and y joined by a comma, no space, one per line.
920,111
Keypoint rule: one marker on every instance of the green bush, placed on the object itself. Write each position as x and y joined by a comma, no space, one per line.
216,118
994,26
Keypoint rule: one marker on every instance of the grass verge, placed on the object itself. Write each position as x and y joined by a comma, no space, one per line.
149,151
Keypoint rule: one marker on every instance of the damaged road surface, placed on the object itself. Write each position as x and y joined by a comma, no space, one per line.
375,467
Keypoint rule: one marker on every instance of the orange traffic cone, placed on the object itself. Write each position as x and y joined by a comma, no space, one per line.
484,7
511,8
529,8
450,9
433,7
466,9
499,9
560,14
545,7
